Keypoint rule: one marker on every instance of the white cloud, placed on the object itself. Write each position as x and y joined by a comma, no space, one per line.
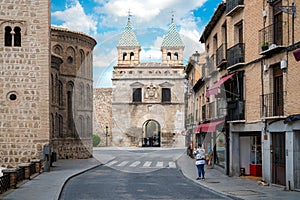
75,18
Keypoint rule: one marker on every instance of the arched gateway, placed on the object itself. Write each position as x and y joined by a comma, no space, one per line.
151,134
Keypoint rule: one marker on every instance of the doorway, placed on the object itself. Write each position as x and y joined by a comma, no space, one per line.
278,158
151,134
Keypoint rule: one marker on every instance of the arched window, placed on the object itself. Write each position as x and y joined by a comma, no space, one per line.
81,94
57,50
8,37
176,56
82,62
124,56
131,56
52,89
70,87
60,126
60,93
17,36
169,56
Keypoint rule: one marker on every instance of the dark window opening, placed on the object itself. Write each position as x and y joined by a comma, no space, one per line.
166,95
169,56
124,56
70,60
176,56
17,36
137,95
8,37
131,56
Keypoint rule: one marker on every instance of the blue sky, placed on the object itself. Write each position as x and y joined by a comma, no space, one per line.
105,20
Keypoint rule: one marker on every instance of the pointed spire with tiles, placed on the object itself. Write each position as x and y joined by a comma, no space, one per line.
172,46
128,38
128,47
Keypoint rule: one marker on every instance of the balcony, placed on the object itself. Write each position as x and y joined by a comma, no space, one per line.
272,38
272,105
234,6
235,110
221,56
236,55
210,65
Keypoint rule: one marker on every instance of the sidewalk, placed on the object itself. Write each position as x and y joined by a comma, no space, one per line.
48,185
234,187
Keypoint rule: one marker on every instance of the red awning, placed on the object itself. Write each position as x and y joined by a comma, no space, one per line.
215,88
210,126
197,129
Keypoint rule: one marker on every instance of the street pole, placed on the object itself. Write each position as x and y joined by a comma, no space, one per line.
106,134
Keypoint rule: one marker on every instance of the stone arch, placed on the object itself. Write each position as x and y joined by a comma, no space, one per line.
82,62
70,55
57,49
151,133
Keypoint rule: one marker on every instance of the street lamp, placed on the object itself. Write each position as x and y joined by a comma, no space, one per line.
196,56
106,133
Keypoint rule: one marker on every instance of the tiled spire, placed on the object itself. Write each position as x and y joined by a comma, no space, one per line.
172,37
128,38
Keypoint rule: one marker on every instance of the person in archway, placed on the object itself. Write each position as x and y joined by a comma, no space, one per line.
200,162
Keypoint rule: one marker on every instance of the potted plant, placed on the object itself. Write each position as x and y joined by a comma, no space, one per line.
264,46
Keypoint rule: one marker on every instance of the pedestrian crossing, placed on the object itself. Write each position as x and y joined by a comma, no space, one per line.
141,164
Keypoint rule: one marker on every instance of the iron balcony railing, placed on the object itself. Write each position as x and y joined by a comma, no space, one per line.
232,4
272,36
221,54
236,54
272,104
235,110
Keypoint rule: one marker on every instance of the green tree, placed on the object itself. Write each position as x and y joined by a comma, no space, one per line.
96,140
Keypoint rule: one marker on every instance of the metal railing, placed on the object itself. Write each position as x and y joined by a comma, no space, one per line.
272,104
236,54
231,4
272,36
235,110
221,54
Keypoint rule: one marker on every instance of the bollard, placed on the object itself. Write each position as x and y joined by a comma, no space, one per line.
26,167
12,173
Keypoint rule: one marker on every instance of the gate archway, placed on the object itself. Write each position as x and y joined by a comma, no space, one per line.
151,134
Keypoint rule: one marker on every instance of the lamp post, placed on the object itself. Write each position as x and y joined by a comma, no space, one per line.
106,133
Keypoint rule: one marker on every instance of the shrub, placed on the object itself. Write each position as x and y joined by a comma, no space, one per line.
96,140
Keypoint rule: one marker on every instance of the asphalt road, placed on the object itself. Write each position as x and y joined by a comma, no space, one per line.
136,175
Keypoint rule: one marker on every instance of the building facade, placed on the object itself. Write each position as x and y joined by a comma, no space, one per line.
252,52
148,98
32,111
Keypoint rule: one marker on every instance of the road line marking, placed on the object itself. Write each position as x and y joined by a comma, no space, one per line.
147,164
172,165
136,163
122,164
160,164
111,163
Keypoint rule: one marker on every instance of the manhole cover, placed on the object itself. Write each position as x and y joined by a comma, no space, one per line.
244,192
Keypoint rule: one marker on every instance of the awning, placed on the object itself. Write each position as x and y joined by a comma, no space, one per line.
197,129
215,88
210,126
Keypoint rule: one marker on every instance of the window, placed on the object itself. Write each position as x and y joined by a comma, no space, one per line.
17,36
169,56
124,56
166,95
137,95
176,56
131,56
8,37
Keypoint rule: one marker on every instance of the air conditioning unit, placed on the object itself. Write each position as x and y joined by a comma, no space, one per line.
283,64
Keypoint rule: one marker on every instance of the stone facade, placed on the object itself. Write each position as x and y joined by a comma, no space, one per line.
33,75
71,92
103,114
24,80
148,98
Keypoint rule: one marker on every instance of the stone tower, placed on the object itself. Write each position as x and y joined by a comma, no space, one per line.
128,47
24,80
148,98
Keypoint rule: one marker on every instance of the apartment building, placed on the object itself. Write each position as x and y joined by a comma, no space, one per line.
252,90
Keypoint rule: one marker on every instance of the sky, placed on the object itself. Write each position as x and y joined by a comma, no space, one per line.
104,20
